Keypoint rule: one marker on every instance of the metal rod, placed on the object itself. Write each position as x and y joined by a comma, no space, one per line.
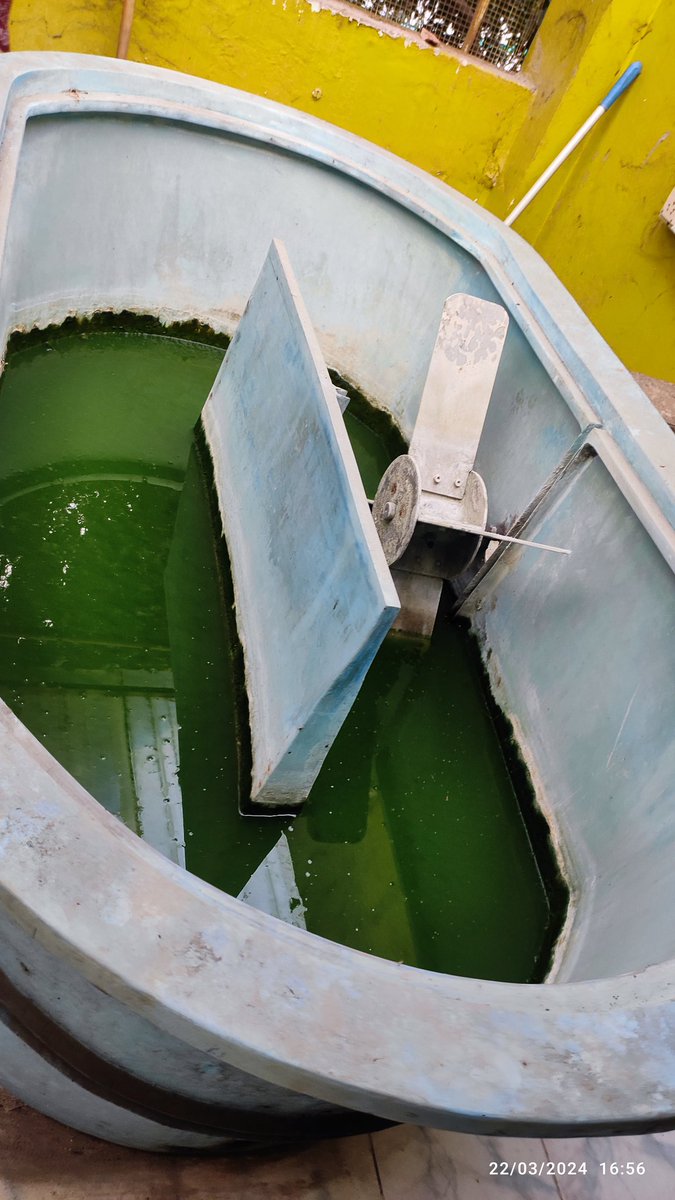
125,28
503,537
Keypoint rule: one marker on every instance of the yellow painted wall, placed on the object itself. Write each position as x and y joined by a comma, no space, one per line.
487,133
446,114
597,222
66,25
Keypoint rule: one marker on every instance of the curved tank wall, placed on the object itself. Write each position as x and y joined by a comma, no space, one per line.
189,1018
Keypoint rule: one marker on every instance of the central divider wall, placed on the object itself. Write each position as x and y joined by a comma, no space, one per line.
313,594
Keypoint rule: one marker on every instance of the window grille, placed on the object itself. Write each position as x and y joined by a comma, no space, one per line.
499,31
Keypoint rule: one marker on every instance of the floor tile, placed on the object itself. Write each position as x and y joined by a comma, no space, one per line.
656,1151
427,1164
42,1160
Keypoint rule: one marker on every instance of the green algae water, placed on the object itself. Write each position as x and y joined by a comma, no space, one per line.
114,619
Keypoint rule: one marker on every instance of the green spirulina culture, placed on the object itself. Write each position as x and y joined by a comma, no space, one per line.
116,654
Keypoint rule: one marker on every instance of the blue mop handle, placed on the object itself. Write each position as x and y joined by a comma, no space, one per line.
621,84
619,87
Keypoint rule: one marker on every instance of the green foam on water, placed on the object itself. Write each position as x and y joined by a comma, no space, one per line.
116,652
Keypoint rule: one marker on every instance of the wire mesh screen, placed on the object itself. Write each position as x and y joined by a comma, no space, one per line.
500,31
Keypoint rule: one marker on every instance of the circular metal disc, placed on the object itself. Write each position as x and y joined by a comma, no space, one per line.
395,506
475,500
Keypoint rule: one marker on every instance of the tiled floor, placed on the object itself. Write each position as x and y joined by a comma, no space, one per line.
428,1165
40,1160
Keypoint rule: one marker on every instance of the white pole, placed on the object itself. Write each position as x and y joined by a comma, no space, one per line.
490,536
620,86
553,167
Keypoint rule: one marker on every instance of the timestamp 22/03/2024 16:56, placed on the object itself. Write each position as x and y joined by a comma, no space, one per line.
551,1167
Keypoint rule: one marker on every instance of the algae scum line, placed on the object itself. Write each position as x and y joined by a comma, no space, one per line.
417,841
